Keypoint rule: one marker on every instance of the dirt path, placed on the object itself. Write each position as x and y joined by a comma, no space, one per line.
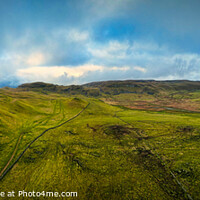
39,123
7,169
12,156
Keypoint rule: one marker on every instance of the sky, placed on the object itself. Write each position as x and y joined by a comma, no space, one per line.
78,41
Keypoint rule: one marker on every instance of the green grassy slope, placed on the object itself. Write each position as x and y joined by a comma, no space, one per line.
107,152
137,94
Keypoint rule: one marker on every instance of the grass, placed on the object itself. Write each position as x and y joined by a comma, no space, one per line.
107,152
168,100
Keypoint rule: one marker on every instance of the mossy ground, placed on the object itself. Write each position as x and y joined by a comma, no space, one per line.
107,152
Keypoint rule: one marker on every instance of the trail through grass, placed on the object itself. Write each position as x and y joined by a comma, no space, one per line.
108,152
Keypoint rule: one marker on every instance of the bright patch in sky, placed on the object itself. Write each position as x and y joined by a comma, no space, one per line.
36,59
141,69
55,73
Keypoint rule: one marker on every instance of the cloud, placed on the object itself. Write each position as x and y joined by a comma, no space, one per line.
111,60
61,63
78,36
141,69
119,68
99,40
71,35
113,49
58,73
36,58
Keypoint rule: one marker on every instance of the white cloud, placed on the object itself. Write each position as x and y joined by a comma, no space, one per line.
119,68
109,60
141,69
18,60
55,73
46,73
77,35
113,49
36,58
71,35
141,46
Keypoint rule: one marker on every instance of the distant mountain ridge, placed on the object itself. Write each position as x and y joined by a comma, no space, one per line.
116,87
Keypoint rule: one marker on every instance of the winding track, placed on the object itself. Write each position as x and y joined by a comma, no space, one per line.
3,174
21,135
12,156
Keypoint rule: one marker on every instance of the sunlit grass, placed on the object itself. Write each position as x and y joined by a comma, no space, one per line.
107,152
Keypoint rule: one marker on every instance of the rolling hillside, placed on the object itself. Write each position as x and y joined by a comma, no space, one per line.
105,146
137,94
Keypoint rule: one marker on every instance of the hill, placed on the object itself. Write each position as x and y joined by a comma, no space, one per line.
137,94
118,87
71,90
128,145
144,86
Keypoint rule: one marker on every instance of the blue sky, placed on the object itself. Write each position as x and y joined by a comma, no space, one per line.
78,41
